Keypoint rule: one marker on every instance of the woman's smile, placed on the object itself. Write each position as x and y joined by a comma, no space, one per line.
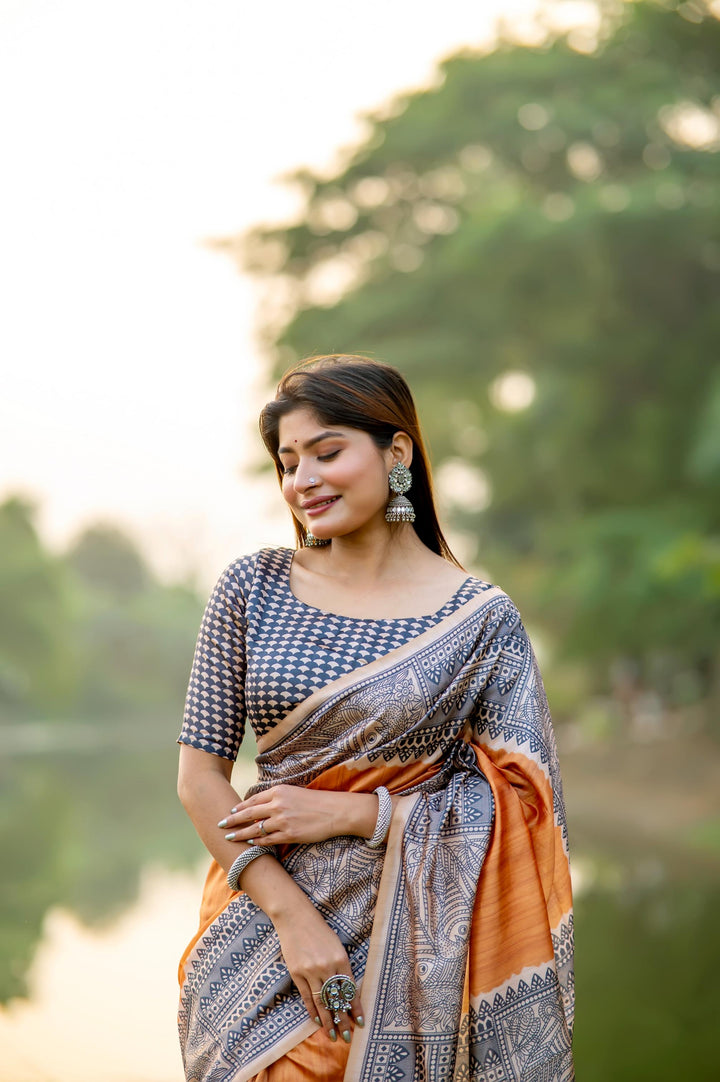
313,508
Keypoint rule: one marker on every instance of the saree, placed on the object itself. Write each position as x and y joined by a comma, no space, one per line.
459,933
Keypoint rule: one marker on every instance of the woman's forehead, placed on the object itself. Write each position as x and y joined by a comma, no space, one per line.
302,427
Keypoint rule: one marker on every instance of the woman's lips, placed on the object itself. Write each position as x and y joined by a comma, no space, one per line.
318,508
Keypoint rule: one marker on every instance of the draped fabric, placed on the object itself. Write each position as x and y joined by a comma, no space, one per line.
460,930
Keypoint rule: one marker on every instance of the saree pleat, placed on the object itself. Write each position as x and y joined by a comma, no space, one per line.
460,934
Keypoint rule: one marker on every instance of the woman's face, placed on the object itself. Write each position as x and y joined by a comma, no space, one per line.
335,479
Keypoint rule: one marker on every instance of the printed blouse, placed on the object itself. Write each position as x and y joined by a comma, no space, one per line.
261,651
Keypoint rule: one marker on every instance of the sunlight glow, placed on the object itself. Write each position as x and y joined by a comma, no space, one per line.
463,485
513,391
690,124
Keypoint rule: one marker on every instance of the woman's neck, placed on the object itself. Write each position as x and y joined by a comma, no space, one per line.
377,556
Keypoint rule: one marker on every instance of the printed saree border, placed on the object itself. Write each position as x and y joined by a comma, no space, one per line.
372,669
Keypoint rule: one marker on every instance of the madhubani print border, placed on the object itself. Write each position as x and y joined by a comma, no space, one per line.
415,1029
520,1032
563,941
238,1001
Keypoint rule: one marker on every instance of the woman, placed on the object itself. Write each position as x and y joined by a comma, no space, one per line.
391,900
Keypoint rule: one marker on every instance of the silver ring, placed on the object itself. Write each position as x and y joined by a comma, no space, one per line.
337,993
261,824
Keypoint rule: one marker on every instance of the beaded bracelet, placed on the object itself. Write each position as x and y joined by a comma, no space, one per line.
241,862
385,810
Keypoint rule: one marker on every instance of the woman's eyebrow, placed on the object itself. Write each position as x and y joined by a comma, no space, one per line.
310,443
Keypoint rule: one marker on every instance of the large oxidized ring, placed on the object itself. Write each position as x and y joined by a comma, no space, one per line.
337,993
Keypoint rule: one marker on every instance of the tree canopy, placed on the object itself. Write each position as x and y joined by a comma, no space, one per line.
535,243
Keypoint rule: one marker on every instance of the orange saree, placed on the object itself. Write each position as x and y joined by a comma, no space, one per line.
460,932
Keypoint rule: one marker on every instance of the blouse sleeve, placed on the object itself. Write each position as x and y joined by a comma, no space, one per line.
214,719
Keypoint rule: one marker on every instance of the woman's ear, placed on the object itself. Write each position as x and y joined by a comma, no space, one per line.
401,449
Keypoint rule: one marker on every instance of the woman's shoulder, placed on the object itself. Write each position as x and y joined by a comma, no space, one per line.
493,595
244,571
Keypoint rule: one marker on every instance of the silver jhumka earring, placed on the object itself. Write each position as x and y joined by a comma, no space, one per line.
313,542
399,509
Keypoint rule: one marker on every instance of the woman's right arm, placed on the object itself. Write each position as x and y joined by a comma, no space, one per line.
311,949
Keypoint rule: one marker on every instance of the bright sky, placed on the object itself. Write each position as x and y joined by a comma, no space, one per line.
131,131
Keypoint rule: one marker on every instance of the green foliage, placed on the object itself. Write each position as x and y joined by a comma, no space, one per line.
546,222
647,1010
106,560
90,634
38,663
94,662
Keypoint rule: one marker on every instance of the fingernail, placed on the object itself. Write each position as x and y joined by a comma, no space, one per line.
359,1021
222,823
316,1020
229,837
346,1036
233,810
332,1035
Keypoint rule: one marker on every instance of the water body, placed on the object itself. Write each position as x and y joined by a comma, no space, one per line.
102,879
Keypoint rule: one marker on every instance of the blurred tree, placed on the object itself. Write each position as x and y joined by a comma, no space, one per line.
107,560
38,662
90,634
137,654
535,242
88,637
136,634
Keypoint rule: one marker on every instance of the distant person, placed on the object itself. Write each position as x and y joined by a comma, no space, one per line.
391,900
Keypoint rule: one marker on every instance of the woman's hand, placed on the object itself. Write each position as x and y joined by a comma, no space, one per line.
291,814
312,953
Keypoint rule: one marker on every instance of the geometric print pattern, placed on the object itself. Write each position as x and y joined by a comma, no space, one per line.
238,997
261,651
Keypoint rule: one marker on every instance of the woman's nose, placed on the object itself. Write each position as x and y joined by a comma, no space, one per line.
304,478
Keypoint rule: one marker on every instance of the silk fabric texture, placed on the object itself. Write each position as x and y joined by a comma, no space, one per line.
460,931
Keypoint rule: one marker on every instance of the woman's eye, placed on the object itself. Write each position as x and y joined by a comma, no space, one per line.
288,470
329,456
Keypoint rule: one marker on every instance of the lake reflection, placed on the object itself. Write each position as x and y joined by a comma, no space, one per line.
103,1002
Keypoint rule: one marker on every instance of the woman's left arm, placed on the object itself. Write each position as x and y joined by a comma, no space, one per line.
291,814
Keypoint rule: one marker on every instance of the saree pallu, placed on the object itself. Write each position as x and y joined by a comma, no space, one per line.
460,933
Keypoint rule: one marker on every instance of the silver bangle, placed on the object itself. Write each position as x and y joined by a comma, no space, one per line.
240,863
385,810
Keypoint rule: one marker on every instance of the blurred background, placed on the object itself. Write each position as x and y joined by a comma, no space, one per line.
516,204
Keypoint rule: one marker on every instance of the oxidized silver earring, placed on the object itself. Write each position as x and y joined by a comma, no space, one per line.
313,542
399,509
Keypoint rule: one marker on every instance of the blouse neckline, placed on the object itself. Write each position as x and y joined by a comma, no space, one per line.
290,554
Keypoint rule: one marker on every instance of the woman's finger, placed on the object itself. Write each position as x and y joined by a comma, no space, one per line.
261,832
358,1014
311,1005
253,802
247,817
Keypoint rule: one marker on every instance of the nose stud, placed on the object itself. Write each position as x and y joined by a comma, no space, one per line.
313,480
